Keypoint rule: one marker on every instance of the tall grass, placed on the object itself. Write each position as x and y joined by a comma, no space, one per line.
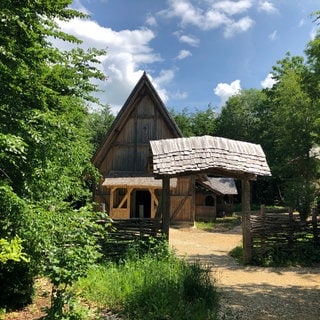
153,288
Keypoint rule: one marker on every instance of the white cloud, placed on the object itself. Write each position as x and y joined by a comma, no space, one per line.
273,36
267,6
178,95
211,16
313,33
225,90
190,40
232,7
165,77
268,82
76,4
239,26
151,21
184,54
128,54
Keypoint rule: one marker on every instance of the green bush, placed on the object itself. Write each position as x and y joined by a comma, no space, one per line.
66,240
16,280
305,253
237,253
300,254
152,287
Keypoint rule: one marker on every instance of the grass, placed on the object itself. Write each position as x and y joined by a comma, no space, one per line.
225,223
149,288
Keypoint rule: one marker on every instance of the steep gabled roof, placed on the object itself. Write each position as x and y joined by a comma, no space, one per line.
142,88
183,156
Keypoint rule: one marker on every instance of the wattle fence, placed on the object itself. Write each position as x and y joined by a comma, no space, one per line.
126,232
274,230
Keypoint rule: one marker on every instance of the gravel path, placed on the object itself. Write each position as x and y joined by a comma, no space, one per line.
251,293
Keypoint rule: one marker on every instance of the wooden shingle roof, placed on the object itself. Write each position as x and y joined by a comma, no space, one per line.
180,156
221,185
136,182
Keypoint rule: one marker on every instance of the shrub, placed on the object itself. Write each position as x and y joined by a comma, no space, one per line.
152,287
16,278
301,254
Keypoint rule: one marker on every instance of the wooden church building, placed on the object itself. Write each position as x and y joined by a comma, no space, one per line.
128,188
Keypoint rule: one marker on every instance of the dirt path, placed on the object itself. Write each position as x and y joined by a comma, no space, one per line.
251,293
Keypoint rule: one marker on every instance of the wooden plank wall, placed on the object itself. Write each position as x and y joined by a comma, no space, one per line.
181,202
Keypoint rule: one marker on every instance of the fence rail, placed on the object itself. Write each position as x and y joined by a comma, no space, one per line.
125,232
271,230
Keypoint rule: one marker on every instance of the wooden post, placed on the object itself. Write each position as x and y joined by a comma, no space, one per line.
291,227
315,226
193,200
263,223
247,244
166,206
111,201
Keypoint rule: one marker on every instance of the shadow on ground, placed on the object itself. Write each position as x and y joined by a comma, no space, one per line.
274,302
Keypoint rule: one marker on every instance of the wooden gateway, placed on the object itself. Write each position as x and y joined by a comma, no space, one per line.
173,158
128,188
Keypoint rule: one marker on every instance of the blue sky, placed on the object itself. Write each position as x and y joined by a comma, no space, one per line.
196,52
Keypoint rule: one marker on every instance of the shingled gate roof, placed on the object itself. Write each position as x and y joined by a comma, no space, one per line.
182,156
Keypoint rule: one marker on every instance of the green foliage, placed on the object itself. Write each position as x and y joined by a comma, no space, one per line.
45,146
301,254
16,280
44,138
66,306
157,248
226,223
65,241
199,123
99,122
237,253
304,253
243,117
65,246
294,114
12,250
151,287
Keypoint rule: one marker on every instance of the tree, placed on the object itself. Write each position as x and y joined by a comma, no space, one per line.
294,118
183,121
99,123
243,116
44,92
198,123
44,136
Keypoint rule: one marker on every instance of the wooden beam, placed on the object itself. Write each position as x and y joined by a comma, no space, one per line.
154,202
111,200
246,235
166,205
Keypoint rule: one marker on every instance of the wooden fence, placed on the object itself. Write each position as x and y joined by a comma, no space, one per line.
125,232
270,230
